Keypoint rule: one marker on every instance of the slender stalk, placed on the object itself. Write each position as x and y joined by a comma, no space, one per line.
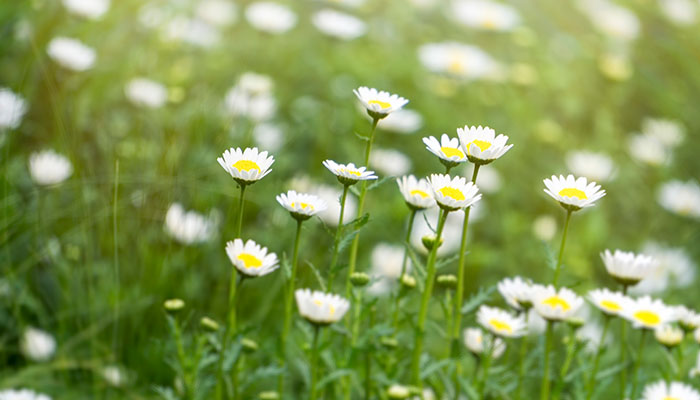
679,375
181,357
521,362
561,248
623,351
475,375
457,323
239,223
397,299
570,354
485,369
596,359
289,295
368,361
423,312
544,394
336,240
637,364
314,362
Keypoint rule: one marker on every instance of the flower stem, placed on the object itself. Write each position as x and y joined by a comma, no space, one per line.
521,363
623,351
368,360
544,394
423,312
679,377
485,369
336,240
570,354
637,364
596,359
561,249
397,300
239,223
314,362
181,357
289,295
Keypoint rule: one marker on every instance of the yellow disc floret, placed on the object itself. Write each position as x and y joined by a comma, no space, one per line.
250,261
452,193
246,165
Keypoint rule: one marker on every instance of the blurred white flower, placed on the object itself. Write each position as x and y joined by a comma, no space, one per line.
37,345
193,31
695,371
49,168
151,15
270,17
682,198
536,325
591,333
398,392
22,394
339,25
680,12
252,97
458,60
672,267
611,19
390,162
477,343
668,132
451,233
189,227
216,12
145,92
113,375
544,227
485,14
594,166
648,149
12,109
401,121
320,308
71,53
92,9
663,390
488,180
331,195
268,136
386,261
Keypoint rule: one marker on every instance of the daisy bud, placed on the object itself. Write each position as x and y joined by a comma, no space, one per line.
209,324
429,242
269,395
448,281
408,281
249,345
669,336
173,305
575,322
398,392
359,279
389,342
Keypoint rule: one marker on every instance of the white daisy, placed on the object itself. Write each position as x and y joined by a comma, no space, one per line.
680,12
252,97
682,198
555,305
12,109
301,205
648,149
595,166
390,162
331,194
386,264
453,193
626,267
668,335
609,302
192,31
416,192
663,391
451,233
447,149
146,93
573,194
402,121
485,14
22,394
268,136
92,9
478,343
216,12
49,168
544,227
611,19
71,53
189,227
673,268
490,180
37,345
349,174
517,292
500,322
246,166
338,24
688,319
250,258
379,104
270,17
458,60
481,143
669,132
649,313
320,308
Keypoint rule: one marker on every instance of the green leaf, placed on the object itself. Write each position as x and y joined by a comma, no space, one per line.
333,376
379,182
477,299
318,276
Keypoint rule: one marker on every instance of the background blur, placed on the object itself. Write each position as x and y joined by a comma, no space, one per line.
138,98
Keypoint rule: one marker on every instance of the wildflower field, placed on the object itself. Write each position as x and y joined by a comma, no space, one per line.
349,199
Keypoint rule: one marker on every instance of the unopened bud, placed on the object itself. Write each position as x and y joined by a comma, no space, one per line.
173,305
209,324
429,242
249,345
448,281
408,281
359,279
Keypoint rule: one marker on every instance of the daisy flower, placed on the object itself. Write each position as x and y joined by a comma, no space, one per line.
595,166
609,302
453,193
478,343
302,206
688,319
447,149
49,168
517,292
22,394
485,15
556,305
481,144
626,267
189,227
416,192
500,322
37,345
270,17
663,391
379,104
71,54
250,258
668,335
649,313
682,198
91,9
246,166
573,194
339,25
144,92
12,109
458,60
390,162
320,308
349,174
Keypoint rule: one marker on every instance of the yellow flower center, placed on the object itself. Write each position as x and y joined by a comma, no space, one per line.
383,104
451,152
250,261
488,22
419,193
647,317
351,172
500,326
557,301
482,144
671,398
303,205
610,305
453,193
455,64
573,192
245,165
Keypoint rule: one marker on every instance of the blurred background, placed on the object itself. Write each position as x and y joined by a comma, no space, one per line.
112,115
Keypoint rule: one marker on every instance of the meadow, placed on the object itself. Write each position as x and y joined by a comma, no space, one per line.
348,199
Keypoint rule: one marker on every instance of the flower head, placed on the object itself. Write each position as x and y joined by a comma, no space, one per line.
22,394
626,267
595,166
71,54
458,60
349,174
12,109
478,343
500,322
91,9
573,194
189,227
609,302
669,335
649,313
339,25
49,168
246,166
556,304
481,144
250,258
517,292
663,391
270,17
144,92
302,206
447,149
485,15
379,104
688,319
37,345
453,193
682,198
416,192
320,308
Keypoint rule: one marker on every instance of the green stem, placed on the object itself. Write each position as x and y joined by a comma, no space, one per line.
679,376
423,312
181,357
623,351
485,369
637,364
547,349
596,359
229,332
239,223
397,300
314,362
561,249
570,354
368,360
521,363
336,240
288,300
